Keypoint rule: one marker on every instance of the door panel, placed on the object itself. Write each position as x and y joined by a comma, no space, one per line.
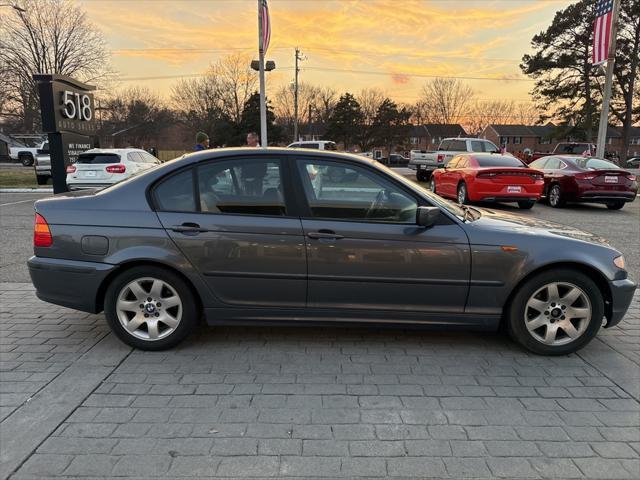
229,219
378,266
365,250
245,260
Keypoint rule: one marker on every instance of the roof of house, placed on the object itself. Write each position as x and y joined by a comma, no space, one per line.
445,130
514,130
418,131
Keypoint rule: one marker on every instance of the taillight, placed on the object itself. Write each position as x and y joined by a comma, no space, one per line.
486,175
440,158
41,233
119,168
71,169
537,176
631,177
586,177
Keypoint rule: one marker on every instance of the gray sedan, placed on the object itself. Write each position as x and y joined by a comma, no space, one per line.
275,236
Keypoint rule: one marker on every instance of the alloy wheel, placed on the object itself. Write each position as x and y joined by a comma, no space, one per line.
462,194
149,309
557,313
554,195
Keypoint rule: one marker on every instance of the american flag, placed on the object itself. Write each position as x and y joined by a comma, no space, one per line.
602,31
266,25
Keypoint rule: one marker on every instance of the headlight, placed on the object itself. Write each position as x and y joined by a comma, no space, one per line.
619,262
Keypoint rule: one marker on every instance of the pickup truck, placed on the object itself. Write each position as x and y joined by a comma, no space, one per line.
567,148
25,155
425,162
42,164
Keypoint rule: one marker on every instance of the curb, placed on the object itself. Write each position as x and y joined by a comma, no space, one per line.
26,190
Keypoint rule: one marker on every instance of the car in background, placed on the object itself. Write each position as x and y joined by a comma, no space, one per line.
42,164
586,179
315,145
425,162
396,159
567,148
486,177
200,238
101,167
26,155
633,162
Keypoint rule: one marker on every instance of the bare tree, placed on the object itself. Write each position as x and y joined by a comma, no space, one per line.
49,36
448,99
284,107
236,82
370,100
489,112
327,100
526,113
420,113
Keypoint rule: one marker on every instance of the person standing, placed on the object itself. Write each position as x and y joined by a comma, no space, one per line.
252,139
202,141
253,174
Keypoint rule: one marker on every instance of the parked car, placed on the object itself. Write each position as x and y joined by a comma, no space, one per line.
42,164
567,148
315,145
488,178
196,240
633,162
26,155
425,163
101,167
586,179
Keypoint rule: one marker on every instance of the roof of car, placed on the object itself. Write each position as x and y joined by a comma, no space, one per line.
251,151
114,150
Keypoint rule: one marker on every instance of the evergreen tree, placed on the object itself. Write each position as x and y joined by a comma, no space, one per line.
345,121
390,125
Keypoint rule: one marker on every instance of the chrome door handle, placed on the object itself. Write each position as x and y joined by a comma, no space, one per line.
324,235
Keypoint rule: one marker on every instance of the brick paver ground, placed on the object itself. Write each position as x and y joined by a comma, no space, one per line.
302,402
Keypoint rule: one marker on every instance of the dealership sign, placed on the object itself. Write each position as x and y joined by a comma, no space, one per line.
68,116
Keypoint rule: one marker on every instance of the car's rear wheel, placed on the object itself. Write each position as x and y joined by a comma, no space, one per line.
150,308
556,312
463,197
555,197
42,179
615,205
432,186
526,204
26,159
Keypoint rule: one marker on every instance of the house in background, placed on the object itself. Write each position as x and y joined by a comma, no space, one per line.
429,136
518,138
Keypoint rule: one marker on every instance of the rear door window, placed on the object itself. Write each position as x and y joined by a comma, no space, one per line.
539,164
458,146
477,146
553,163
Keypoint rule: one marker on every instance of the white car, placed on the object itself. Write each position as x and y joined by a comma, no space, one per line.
315,145
101,167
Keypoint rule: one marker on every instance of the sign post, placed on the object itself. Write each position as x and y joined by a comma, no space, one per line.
68,117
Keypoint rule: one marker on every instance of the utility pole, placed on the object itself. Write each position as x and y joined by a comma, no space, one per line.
263,105
606,100
299,58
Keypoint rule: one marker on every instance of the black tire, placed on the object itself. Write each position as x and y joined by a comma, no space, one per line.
526,204
515,311
555,197
422,176
433,185
26,160
615,205
462,194
42,179
190,309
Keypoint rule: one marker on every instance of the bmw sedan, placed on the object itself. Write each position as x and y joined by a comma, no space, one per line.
277,236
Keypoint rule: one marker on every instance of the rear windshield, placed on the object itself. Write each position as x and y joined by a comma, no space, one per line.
330,146
98,158
573,148
499,161
594,163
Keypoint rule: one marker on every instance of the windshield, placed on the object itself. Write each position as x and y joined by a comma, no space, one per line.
595,164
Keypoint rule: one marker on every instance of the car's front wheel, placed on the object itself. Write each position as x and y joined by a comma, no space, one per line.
150,308
26,160
556,312
432,186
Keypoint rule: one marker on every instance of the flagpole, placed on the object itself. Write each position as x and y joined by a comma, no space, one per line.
263,106
606,100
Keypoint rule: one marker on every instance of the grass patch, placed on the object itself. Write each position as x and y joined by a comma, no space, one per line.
11,178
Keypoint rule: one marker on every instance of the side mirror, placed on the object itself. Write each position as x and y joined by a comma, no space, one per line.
427,216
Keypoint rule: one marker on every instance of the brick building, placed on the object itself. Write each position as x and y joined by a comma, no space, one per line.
518,138
429,136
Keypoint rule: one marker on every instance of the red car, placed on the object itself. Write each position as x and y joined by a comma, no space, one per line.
586,179
488,177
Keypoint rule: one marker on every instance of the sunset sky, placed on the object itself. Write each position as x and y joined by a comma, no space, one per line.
394,45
